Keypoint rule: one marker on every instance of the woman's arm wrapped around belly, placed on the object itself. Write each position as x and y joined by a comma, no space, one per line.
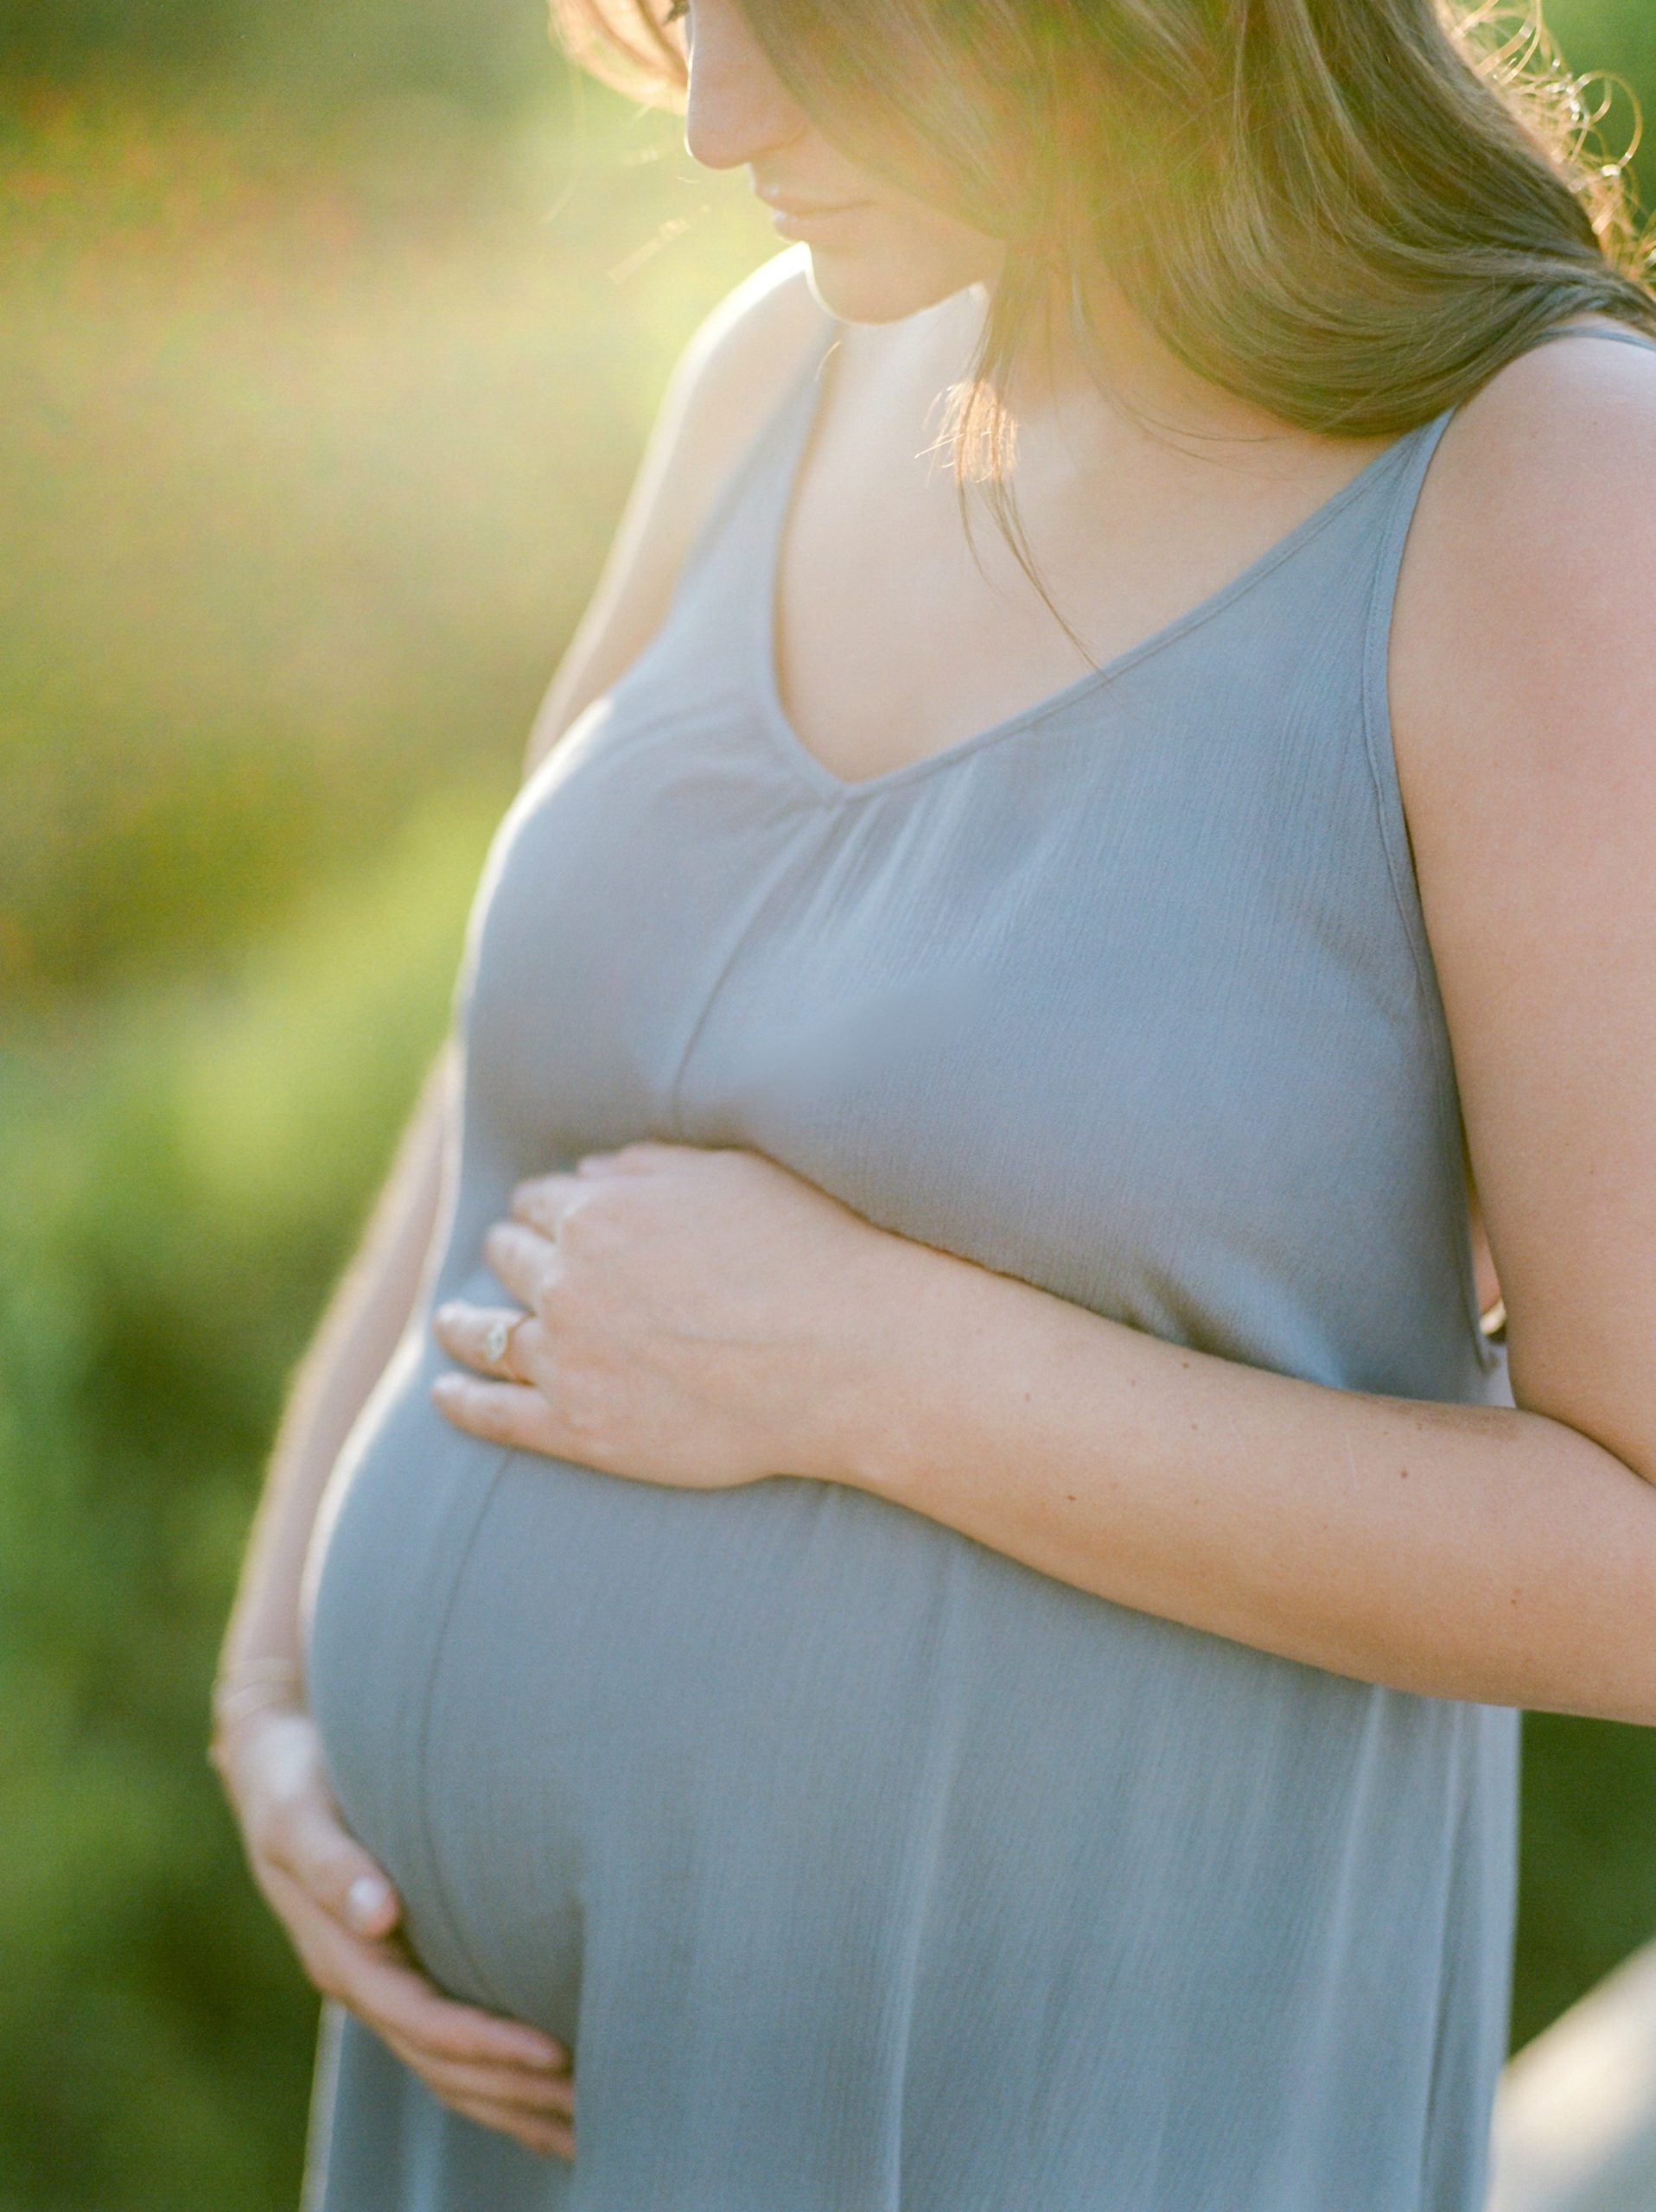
334,1903
704,1318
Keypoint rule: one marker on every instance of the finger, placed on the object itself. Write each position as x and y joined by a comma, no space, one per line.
544,1200
480,1336
502,1412
396,1998
522,1257
635,1159
539,2090
539,2094
332,1868
545,2132
413,2007
550,2139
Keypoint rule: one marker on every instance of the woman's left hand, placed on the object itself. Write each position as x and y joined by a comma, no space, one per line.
697,1317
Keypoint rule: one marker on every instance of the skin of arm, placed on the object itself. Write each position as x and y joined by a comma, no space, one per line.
705,1318
355,1339
334,1903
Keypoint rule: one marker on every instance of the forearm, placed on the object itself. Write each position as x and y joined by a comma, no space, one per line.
358,1333
1468,1552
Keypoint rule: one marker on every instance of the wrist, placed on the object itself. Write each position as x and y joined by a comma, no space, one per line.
244,1687
884,1414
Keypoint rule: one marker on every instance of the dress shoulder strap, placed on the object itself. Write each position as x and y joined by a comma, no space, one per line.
781,426
1596,330
1418,445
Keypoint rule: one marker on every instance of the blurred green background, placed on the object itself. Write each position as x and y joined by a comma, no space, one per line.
329,332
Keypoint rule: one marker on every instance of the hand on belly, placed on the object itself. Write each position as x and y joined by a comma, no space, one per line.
341,1917
695,1318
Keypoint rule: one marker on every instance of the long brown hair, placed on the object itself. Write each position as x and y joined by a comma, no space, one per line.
1351,213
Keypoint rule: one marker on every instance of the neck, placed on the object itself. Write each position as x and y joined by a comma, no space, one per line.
1121,377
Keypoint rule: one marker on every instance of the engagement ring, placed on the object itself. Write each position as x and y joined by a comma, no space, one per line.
497,1344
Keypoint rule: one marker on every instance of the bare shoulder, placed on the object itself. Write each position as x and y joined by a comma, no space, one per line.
754,339
1523,658
1522,654
1532,554
1523,672
735,370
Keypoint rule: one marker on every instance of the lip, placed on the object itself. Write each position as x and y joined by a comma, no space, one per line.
807,219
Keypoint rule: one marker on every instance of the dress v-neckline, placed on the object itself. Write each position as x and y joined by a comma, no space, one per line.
795,427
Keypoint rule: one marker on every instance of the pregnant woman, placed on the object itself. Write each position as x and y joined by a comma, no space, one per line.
901,1580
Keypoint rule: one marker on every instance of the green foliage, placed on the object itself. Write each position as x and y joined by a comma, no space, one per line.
176,1191
1588,1859
322,52
309,446
1612,43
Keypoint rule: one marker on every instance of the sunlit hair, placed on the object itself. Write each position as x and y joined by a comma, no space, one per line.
1349,212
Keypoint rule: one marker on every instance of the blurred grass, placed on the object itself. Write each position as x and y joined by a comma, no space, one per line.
315,418
176,1190
310,447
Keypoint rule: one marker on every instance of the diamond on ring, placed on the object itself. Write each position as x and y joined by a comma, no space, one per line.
496,1337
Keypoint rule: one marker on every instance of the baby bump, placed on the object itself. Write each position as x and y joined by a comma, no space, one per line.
639,1756
655,1714
556,1704
403,1508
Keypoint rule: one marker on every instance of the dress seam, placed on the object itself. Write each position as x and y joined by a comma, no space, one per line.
440,1885
673,1090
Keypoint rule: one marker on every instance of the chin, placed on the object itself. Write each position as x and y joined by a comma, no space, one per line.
864,286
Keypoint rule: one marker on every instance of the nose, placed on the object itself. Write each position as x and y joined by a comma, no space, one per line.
735,107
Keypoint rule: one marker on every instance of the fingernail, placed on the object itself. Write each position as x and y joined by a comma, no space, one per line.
366,1900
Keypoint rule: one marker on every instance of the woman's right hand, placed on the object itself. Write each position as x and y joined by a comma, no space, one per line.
341,1915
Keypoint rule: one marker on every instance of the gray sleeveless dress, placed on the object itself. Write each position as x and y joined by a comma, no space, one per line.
864,1869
